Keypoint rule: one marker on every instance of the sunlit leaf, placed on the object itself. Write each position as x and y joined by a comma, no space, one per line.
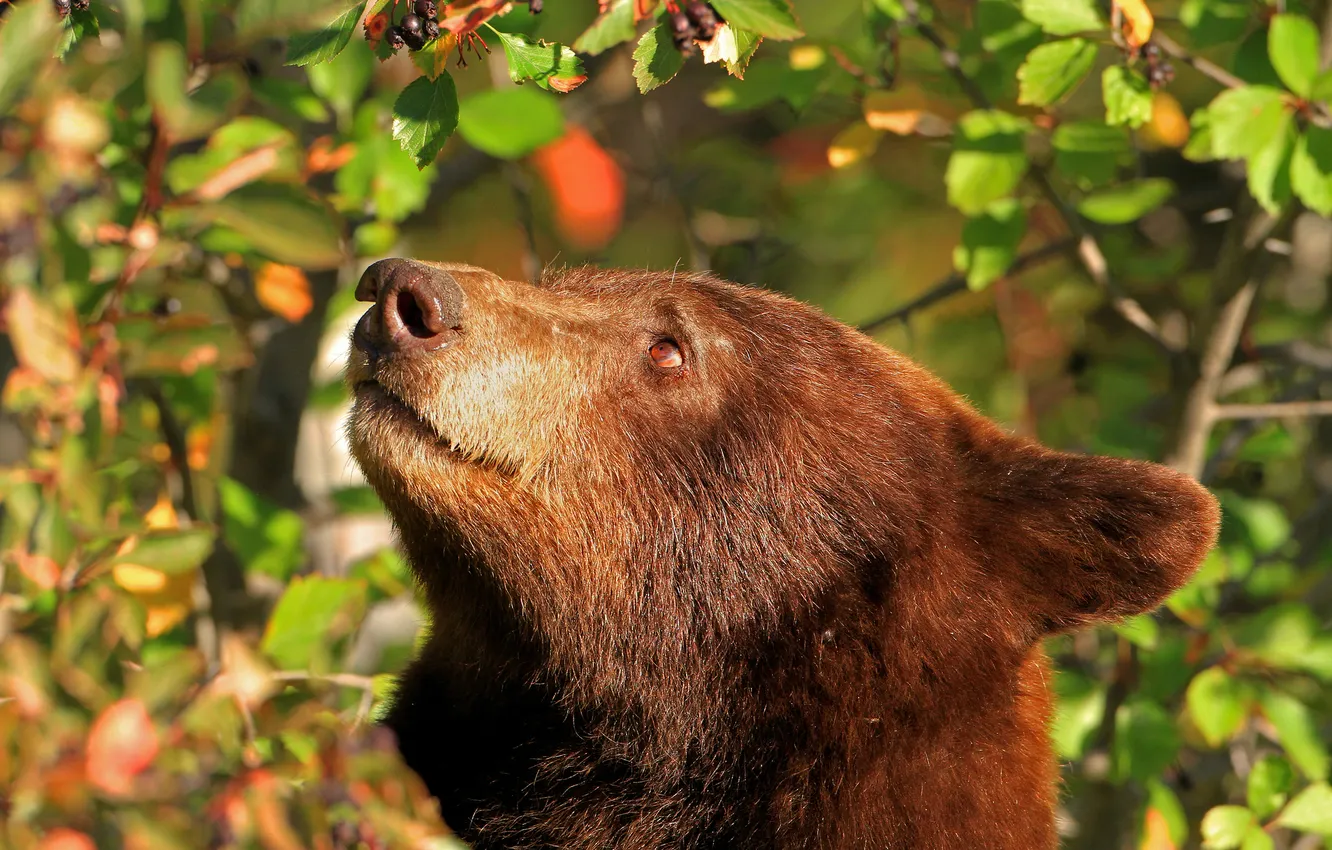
1053,70
771,18
424,116
510,123
656,60
323,44
1128,202
311,611
1310,811
552,66
1292,45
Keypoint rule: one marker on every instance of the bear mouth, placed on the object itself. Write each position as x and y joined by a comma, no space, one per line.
386,401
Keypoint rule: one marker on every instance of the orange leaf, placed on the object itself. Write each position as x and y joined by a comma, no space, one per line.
1138,21
884,111
1156,833
122,743
41,570
587,186
1169,126
283,290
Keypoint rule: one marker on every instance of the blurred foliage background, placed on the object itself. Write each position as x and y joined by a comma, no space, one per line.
1104,223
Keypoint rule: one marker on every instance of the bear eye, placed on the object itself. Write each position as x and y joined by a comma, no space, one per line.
666,354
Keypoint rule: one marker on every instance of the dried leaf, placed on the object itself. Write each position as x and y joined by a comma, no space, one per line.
44,339
1138,21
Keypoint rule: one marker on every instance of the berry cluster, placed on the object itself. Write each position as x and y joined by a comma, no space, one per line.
1160,72
697,21
63,7
416,27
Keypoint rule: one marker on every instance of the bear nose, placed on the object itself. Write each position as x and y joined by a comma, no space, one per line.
417,308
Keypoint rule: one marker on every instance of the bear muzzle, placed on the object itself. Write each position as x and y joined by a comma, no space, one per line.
417,309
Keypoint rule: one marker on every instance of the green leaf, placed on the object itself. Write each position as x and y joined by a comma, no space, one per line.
1127,202
356,500
189,116
1064,17
1142,631
28,35
323,44
266,538
259,18
1292,45
1128,97
1270,781
1200,146
1257,839
424,116
614,27
1297,732
1322,87
1216,703
78,25
510,123
1079,706
372,239
771,18
989,243
1052,71
170,552
1251,62
1311,169
1145,743
1269,169
1003,29
1310,811
656,60
1246,120
312,611
1224,827
1089,151
551,66
988,161
283,222
1213,22
342,80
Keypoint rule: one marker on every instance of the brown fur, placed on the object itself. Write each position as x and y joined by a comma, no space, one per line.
791,598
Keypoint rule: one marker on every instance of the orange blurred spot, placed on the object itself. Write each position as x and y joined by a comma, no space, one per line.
66,839
322,156
1156,833
857,142
122,743
587,186
39,569
283,290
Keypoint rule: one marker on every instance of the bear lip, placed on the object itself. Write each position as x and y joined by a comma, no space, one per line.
387,399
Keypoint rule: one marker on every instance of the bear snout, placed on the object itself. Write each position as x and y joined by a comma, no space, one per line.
417,308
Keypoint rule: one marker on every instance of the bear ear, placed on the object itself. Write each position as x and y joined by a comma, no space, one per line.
1079,539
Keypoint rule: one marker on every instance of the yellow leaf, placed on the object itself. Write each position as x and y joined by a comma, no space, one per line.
857,142
139,580
44,338
1169,126
1138,21
283,290
162,515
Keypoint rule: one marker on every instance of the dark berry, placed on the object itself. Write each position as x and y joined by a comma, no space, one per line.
81,5
534,6
411,25
415,41
427,9
393,38
680,24
430,29
62,7
704,19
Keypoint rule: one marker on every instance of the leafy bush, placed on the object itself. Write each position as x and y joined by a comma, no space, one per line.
187,191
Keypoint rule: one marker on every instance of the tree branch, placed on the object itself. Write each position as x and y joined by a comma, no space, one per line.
1272,410
957,282
1203,66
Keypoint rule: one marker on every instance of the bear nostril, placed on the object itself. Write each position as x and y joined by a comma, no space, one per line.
412,316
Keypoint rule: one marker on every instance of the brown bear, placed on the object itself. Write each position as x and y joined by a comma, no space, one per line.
708,569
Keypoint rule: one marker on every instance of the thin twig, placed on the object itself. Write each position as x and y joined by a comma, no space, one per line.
345,680
1199,410
956,283
1272,410
1203,66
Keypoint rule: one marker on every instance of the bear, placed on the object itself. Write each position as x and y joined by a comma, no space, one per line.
706,568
